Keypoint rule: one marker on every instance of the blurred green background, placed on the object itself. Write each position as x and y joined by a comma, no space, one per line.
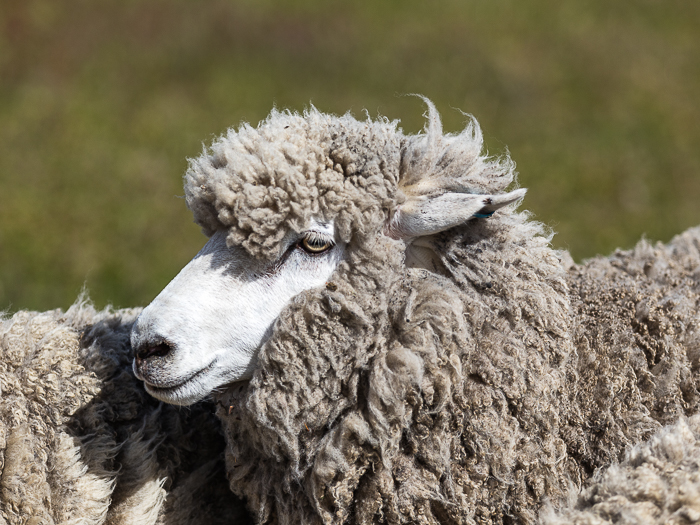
101,102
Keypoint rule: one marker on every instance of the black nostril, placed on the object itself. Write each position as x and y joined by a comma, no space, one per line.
159,350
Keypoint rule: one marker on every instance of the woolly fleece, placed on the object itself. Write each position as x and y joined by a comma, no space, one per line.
636,326
80,440
657,483
467,393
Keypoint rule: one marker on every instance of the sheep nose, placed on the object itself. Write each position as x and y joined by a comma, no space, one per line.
147,351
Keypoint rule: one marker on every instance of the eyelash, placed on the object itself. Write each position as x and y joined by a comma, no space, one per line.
315,243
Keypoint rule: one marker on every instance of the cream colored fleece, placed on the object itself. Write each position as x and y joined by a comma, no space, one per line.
82,443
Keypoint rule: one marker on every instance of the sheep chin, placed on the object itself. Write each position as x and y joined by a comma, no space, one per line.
182,395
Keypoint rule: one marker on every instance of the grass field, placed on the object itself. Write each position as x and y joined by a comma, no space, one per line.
101,103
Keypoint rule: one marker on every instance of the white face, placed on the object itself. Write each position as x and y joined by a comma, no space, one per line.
205,328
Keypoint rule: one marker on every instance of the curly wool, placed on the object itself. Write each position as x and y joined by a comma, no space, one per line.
80,440
476,392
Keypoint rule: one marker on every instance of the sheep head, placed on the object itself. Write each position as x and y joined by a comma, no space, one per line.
286,205
205,328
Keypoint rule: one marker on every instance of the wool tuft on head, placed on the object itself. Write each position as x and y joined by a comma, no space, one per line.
446,181
261,183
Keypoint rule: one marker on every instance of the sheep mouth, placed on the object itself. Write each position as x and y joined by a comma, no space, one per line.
184,392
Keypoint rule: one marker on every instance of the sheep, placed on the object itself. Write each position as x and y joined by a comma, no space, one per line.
80,440
388,340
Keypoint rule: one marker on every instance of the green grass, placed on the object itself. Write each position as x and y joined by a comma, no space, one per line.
102,102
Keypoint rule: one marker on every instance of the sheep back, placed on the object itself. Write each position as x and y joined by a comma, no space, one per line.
81,441
636,329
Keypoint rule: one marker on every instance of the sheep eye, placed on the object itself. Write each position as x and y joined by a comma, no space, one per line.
315,243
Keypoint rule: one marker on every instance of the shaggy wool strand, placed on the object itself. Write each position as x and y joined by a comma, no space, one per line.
82,443
476,390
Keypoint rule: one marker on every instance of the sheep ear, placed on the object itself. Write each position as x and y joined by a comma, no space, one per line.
426,215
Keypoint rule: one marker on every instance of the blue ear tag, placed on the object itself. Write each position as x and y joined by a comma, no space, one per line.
483,215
